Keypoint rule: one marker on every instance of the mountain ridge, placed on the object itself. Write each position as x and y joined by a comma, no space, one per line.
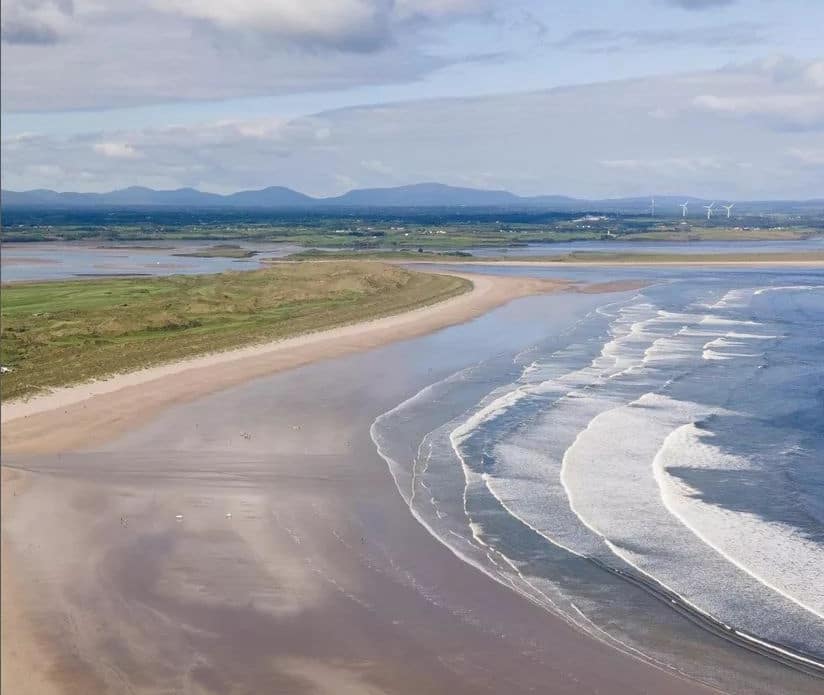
420,195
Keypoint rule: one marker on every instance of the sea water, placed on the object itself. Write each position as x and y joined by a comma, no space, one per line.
666,449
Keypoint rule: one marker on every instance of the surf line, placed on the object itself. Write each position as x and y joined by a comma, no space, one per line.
660,475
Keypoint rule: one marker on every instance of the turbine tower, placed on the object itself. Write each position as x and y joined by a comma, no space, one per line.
709,209
728,208
684,208
652,208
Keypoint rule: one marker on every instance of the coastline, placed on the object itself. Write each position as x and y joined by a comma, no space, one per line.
91,413
188,557
254,536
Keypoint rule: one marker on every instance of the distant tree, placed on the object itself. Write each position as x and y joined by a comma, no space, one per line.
420,249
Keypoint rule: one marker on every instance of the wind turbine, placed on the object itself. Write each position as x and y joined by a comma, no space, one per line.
684,208
728,208
652,208
709,209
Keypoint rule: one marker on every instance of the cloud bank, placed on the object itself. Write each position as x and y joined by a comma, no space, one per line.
122,53
703,133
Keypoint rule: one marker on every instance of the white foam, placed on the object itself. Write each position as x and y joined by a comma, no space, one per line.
611,487
595,492
774,553
788,288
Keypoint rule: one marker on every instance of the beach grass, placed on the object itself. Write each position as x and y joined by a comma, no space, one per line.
59,333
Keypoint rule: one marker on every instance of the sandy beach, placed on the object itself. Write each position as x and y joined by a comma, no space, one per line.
79,416
226,525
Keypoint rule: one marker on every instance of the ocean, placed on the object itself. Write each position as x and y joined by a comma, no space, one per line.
651,472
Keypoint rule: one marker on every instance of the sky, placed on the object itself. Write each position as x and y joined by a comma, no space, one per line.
713,98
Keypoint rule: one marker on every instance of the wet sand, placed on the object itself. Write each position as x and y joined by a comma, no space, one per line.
247,538
319,581
27,260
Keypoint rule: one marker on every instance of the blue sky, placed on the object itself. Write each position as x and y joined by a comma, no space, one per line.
103,93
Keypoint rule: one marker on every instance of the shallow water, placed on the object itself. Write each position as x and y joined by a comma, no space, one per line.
35,261
59,260
668,444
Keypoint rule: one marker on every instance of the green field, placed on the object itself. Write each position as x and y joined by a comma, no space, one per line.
58,333
395,231
607,258
725,234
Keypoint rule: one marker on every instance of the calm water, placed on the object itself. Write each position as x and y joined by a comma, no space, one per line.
668,446
59,261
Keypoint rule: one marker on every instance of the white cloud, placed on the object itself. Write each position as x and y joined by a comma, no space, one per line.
699,4
347,25
35,21
263,128
815,73
666,164
116,150
557,141
739,33
798,110
360,25
377,166
122,53
439,9
808,155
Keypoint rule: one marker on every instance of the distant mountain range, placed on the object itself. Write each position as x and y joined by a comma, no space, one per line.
422,195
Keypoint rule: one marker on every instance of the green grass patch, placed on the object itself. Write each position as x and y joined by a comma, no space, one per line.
607,257
58,333
725,234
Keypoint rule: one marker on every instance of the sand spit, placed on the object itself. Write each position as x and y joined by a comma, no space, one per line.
87,414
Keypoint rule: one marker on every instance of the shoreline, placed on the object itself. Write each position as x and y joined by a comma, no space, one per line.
317,581
255,537
91,413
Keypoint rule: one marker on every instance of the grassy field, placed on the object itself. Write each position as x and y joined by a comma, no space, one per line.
57,333
610,258
725,234
636,258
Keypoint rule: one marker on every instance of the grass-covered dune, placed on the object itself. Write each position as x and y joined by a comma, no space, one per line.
57,333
